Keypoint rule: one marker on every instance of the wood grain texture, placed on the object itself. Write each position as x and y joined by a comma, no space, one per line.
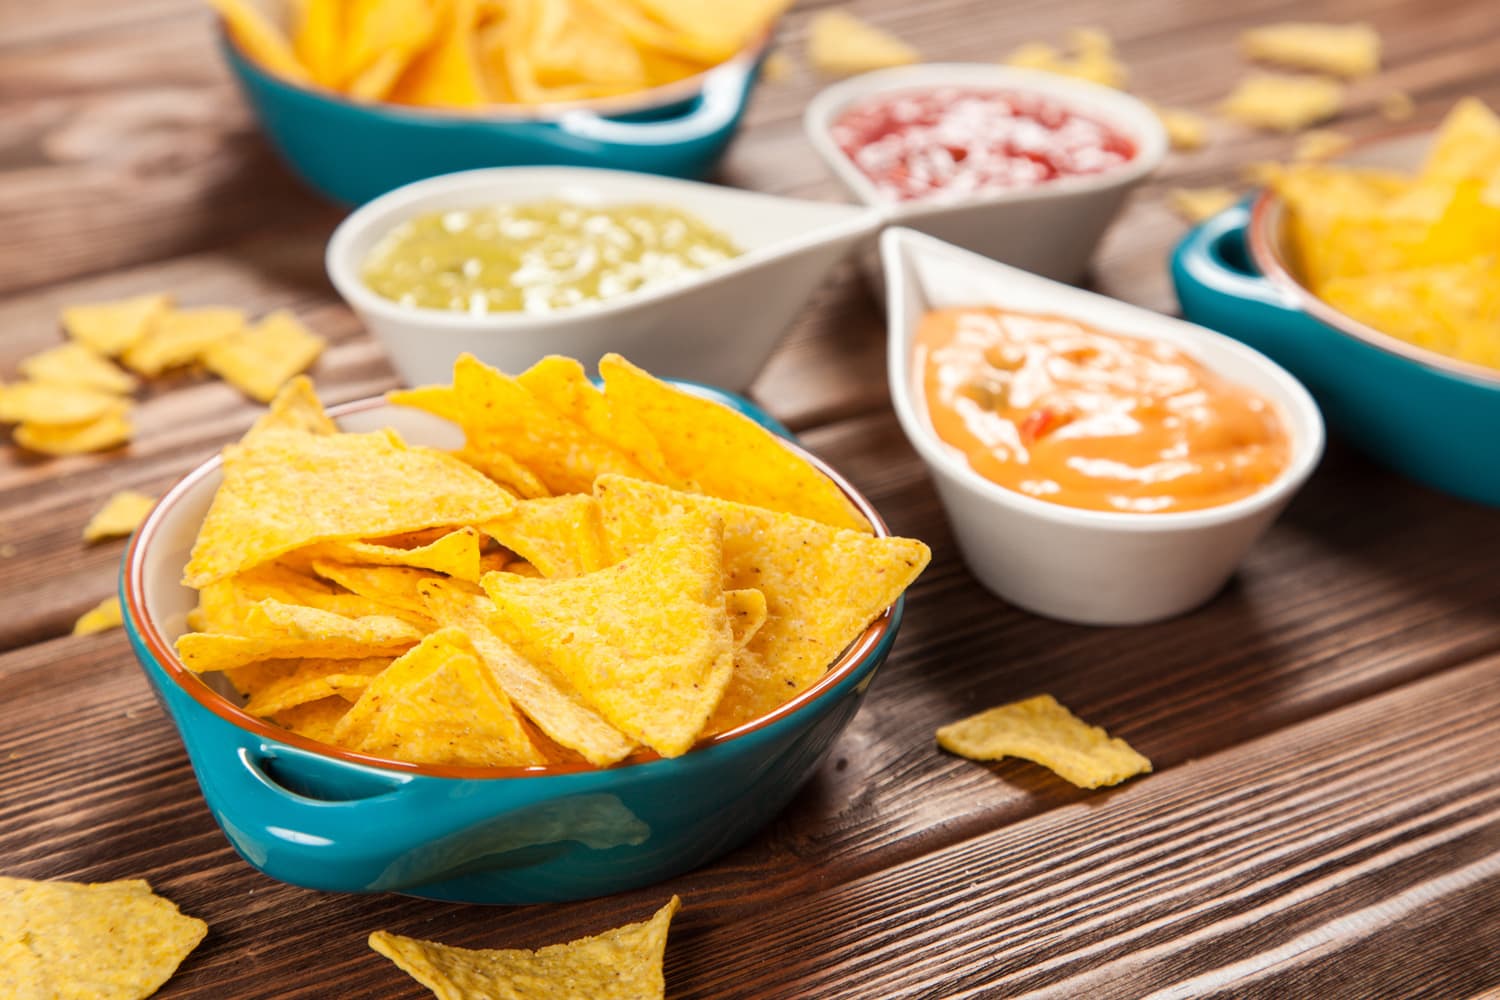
1323,819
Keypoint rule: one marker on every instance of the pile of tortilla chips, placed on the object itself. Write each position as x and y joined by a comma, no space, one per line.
591,572
471,53
1417,257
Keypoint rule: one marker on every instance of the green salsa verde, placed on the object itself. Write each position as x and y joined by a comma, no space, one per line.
539,257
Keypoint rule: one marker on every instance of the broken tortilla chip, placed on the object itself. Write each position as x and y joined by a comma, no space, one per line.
840,44
1347,50
109,431
75,363
1044,732
102,617
121,514
178,337
260,359
1283,103
108,328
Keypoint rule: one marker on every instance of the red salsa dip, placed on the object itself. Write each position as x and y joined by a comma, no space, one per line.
948,142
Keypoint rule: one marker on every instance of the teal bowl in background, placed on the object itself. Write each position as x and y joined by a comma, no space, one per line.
1427,416
352,151
329,819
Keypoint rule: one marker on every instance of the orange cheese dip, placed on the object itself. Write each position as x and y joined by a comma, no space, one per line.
1060,411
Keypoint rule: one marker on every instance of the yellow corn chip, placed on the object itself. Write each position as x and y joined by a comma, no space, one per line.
724,27
506,471
1091,57
1396,106
1283,103
560,536
567,45
374,29
823,585
120,515
260,39
447,74
284,489
840,44
1466,148
620,964
1197,204
1348,50
224,604
101,941
498,414
259,360
658,43
747,611
109,431
546,698
274,686
561,384
314,719
1186,130
454,554
647,642
53,404
1319,144
179,337
295,408
395,589
108,328
1453,308
101,618
318,38
1040,730
75,363
778,67
438,705
724,454
274,630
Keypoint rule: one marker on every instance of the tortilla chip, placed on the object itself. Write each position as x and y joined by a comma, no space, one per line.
498,414
317,40
276,630
1466,148
295,408
724,27
109,431
181,336
438,705
1347,50
505,471
455,554
561,384
108,328
1320,144
1090,56
1186,130
225,604
1197,204
397,589
560,536
724,454
315,720
104,616
647,642
778,67
103,941
823,585
747,612
274,686
259,360
840,44
446,74
1044,732
1283,103
285,489
75,363
50,404
620,964
260,39
120,515
547,698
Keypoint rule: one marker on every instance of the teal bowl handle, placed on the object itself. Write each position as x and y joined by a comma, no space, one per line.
716,108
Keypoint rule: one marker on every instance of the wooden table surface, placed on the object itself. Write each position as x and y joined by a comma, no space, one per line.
1324,817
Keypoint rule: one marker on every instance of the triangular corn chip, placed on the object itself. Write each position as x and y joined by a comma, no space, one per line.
620,964
260,359
1283,103
561,384
446,74
840,44
438,705
295,408
108,328
506,471
278,685
725,454
53,404
560,536
109,431
314,719
318,40
261,40
455,554
1348,50
285,489
1040,730
646,641
75,363
121,514
724,28
823,585
1467,147
550,702
181,336
498,414
274,630
102,941
397,588
224,605
105,615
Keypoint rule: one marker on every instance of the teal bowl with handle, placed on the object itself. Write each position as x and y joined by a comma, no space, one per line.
325,818
1427,416
353,151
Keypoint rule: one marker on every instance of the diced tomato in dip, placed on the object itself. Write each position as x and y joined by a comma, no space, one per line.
948,142
1063,412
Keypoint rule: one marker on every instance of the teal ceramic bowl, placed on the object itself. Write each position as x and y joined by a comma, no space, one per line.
352,151
1425,415
325,818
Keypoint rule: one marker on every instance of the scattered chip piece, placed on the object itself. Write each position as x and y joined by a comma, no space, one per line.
276,630
1396,106
75,363
259,360
840,44
1090,56
103,941
108,328
120,515
109,431
1319,144
1044,732
1283,103
620,964
181,336
53,404
295,408
778,67
1197,204
1186,130
100,618
1347,50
